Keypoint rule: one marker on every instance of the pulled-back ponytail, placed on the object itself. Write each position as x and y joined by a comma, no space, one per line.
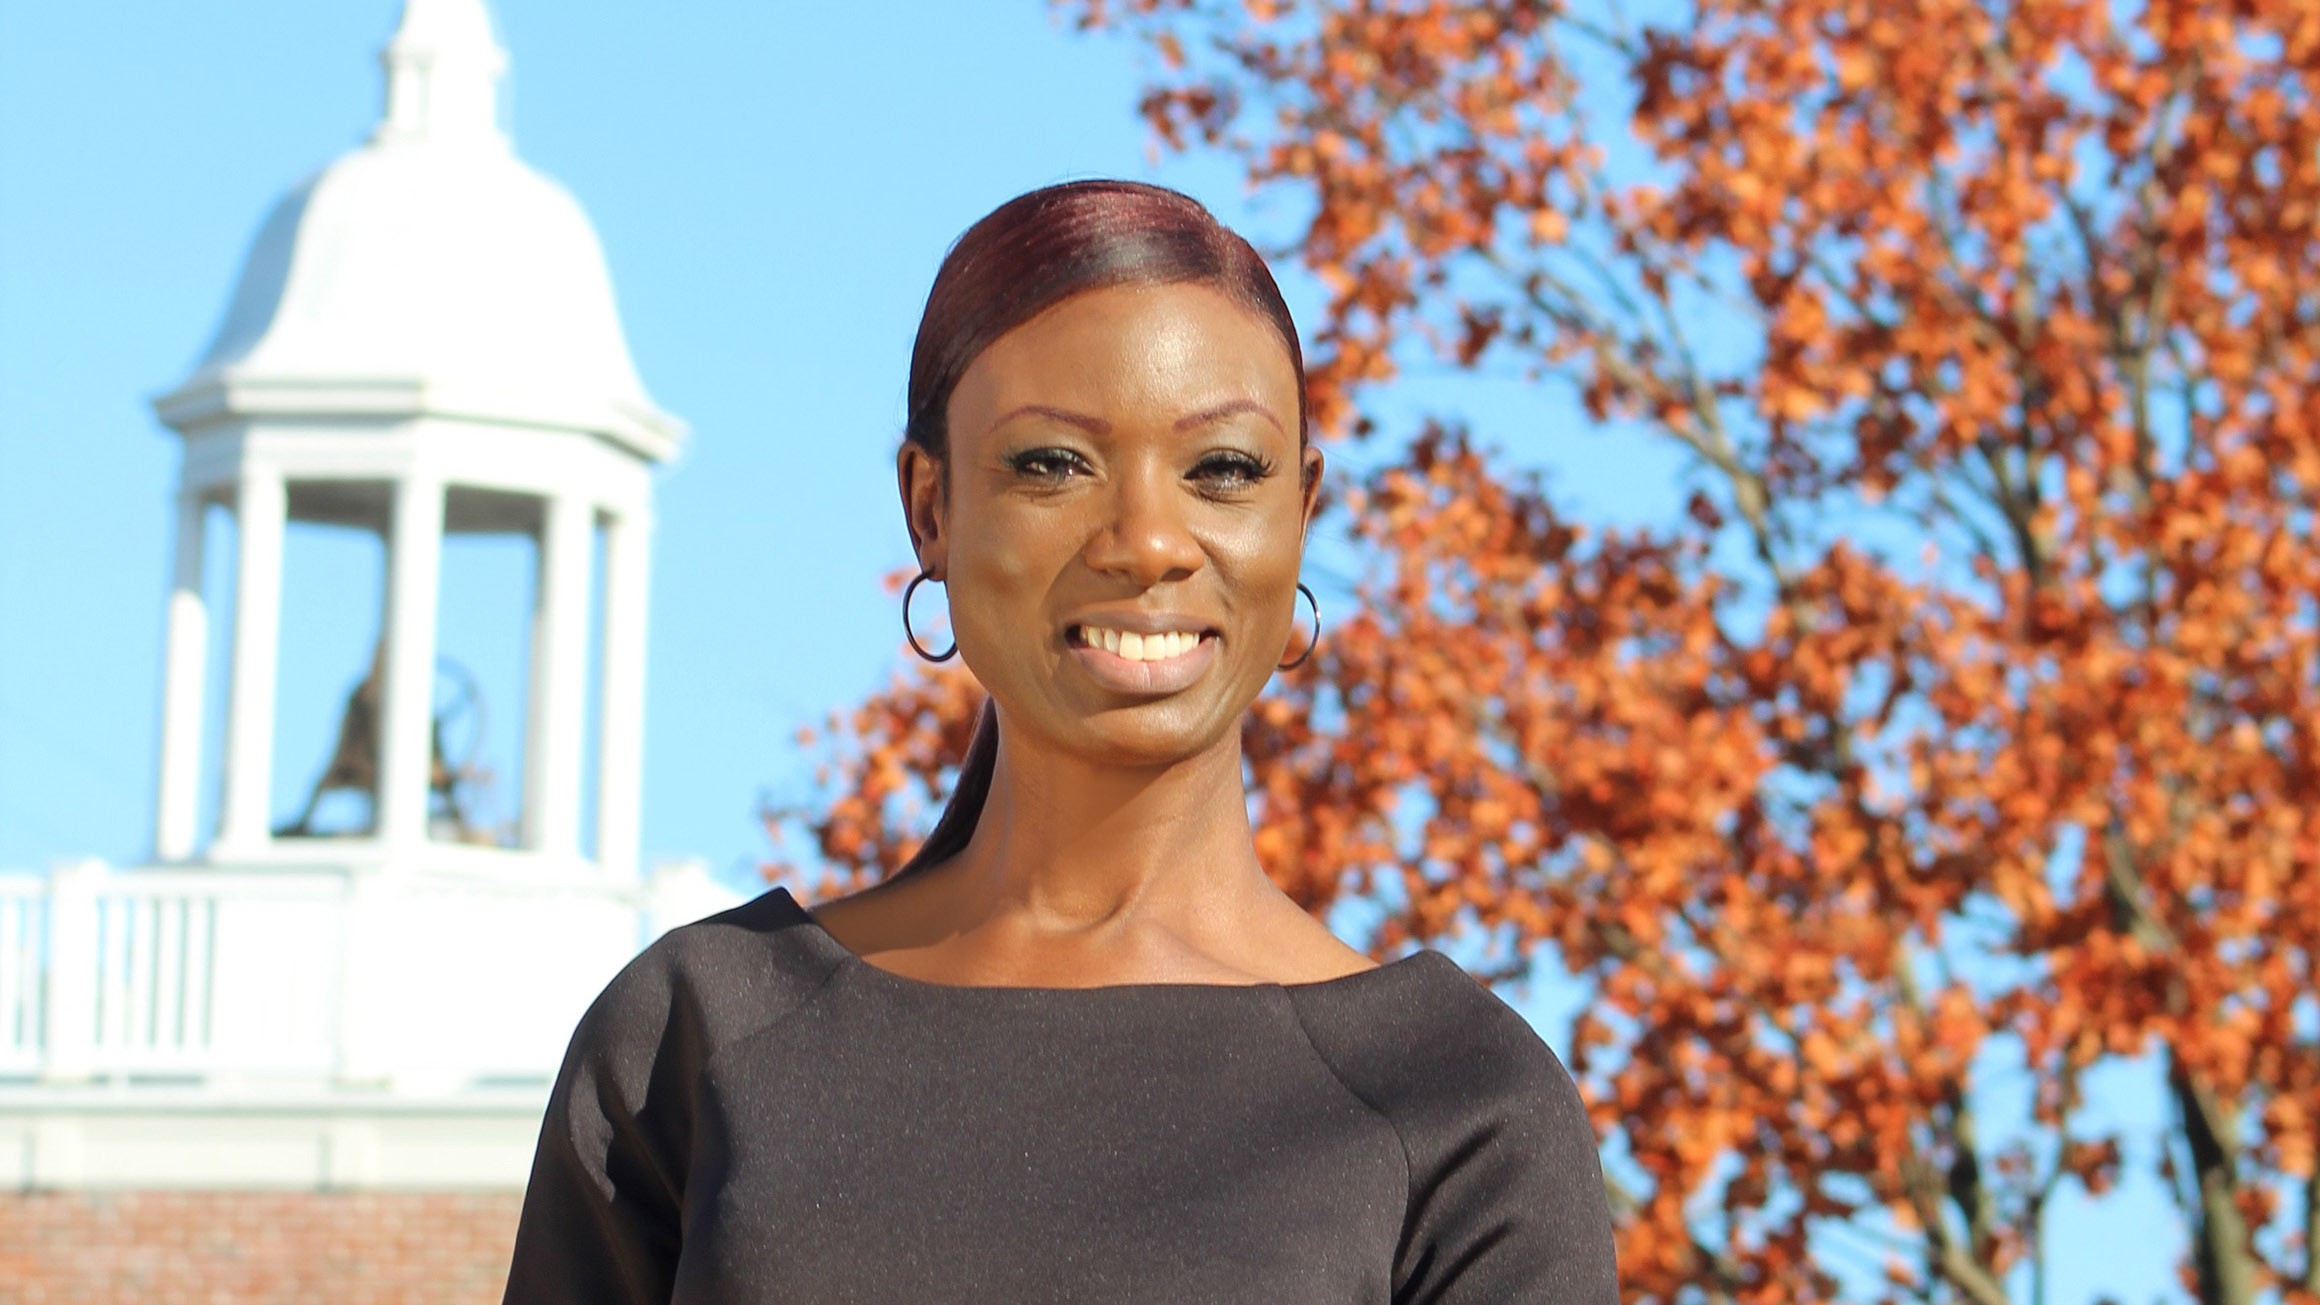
1024,257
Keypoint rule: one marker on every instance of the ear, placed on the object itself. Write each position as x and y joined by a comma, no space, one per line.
1309,461
919,476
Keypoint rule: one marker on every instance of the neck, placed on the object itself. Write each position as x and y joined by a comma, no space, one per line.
1066,847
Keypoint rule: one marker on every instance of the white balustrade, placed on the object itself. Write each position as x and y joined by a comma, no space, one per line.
23,929
154,958
182,976
167,973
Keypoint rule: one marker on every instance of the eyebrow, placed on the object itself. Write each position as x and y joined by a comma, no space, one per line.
1224,410
1098,426
1092,425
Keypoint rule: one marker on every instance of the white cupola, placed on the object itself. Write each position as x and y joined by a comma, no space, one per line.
429,268
423,340
421,366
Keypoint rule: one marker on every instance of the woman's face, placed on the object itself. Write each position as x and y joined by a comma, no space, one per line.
1124,470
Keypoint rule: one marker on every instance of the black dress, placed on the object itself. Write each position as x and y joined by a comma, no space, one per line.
751,1114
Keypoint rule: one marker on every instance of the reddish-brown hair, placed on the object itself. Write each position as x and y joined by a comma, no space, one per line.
1039,249
1022,258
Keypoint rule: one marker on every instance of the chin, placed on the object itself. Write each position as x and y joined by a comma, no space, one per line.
1149,736
1070,717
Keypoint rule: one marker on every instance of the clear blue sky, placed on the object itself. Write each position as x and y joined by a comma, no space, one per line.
774,185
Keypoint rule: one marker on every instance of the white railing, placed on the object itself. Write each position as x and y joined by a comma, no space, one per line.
185,974
155,979
169,973
23,962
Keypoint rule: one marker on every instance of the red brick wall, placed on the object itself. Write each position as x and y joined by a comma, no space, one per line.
255,1248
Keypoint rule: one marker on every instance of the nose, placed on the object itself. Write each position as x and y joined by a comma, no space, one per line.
1145,538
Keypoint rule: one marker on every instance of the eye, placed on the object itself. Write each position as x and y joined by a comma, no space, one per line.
1233,470
1045,464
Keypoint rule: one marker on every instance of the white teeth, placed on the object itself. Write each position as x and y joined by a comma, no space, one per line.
1138,647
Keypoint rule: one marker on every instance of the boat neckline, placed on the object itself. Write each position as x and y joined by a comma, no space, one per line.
849,957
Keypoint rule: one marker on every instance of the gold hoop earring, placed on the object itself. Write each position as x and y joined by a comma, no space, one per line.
1315,641
909,634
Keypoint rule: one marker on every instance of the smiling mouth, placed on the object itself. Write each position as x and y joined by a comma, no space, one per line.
1131,646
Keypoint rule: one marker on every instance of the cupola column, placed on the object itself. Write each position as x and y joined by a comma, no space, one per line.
406,751
620,781
559,696
261,502
183,683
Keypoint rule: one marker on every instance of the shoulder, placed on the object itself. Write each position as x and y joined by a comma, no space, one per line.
603,1209
1426,1038
1506,1198
704,984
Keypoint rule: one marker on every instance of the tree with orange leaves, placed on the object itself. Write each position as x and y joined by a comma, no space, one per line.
1967,726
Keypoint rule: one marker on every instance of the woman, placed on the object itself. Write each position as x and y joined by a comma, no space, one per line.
1080,1048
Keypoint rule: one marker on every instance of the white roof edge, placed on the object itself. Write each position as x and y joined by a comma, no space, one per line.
210,397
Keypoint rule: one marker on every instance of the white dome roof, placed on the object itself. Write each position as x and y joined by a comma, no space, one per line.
429,270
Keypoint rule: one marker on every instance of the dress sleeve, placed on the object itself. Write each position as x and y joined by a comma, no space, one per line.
601,1213
1507,1202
